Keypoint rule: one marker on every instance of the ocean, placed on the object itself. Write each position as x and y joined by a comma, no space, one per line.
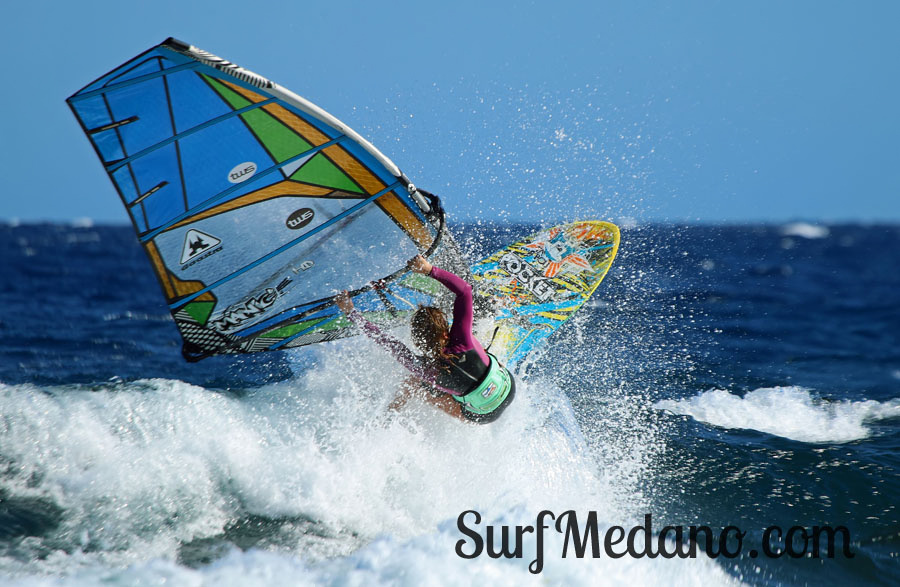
745,378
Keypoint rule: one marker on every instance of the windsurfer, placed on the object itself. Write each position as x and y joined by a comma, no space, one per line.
463,379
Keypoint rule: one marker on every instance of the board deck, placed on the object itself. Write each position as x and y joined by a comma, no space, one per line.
541,281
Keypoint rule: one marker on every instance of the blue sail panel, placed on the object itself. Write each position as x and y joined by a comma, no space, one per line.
254,206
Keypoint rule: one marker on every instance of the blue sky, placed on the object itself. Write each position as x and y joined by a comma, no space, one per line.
696,110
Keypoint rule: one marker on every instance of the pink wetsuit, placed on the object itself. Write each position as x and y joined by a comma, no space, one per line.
461,343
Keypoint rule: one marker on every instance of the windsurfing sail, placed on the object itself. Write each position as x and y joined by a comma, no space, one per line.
253,205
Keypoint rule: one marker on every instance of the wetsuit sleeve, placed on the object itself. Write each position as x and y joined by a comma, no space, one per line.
461,329
397,349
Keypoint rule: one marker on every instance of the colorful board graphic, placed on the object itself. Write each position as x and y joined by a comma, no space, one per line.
253,205
539,282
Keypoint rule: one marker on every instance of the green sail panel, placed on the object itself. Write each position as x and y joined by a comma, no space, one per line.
322,172
250,202
279,140
283,143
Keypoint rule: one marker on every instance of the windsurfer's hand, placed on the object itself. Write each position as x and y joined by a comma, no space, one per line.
344,302
419,264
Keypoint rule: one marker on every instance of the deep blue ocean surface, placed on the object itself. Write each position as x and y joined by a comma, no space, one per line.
742,376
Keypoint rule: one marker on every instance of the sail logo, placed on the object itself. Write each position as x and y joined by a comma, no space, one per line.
299,218
237,314
242,172
197,244
528,276
304,266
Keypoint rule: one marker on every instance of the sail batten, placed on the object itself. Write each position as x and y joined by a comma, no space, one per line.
218,197
112,166
282,249
254,205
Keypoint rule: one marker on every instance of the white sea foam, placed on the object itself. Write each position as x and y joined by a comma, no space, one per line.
790,412
422,560
82,222
140,469
805,230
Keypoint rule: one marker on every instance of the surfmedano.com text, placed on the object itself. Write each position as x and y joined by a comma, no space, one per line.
639,541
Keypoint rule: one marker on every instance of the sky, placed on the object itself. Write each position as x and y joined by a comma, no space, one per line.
698,111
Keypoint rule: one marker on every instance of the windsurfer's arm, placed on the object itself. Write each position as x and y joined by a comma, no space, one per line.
463,318
405,357
397,349
462,305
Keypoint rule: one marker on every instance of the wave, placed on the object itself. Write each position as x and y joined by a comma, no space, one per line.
805,230
789,412
156,478
422,560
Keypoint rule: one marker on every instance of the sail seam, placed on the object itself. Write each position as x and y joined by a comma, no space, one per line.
132,81
285,247
173,221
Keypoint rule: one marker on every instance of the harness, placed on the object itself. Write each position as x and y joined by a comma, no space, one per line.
490,391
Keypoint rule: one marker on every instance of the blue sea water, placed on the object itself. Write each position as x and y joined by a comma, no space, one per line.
721,375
